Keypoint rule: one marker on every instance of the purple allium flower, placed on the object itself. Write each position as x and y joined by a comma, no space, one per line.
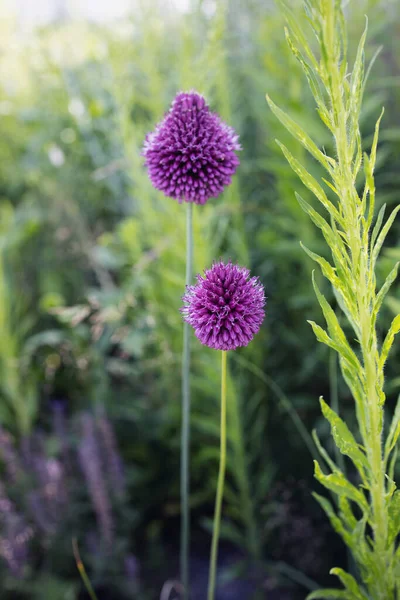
225,307
191,154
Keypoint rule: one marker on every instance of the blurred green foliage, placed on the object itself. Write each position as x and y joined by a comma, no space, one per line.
92,258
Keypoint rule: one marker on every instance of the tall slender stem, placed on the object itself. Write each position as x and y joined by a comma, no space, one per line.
220,486
185,431
362,274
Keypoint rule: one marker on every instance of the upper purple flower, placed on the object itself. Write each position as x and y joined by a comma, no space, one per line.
225,307
191,154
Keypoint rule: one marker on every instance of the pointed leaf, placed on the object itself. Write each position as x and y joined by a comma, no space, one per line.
301,135
309,73
356,82
297,32
389,339
349,583
323,452
383,234
394,517
322,336
343,437
335,331
310,183
326,267
346,514
374,147
377,226
384,290
335,521
394,431
333,240
337,483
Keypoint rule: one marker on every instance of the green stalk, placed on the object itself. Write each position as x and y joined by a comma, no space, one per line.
355,249
362,275
374,448
220,486
82,571
185,432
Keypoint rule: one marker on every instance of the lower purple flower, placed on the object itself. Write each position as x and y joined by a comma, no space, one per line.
225,307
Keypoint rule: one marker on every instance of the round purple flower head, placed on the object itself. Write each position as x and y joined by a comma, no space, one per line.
225,307
191,154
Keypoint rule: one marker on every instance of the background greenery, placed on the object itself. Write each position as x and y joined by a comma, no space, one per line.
91,276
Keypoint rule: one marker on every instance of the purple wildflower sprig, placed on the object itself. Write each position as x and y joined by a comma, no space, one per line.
225,307
92,468
190,156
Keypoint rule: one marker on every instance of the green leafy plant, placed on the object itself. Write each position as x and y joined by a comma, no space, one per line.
18,393
367,512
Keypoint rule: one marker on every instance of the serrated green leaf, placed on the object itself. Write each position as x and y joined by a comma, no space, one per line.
321,335
394,517
331,186
384,290
346,514
316,218
381,237
392,464
359,154
336,482
337,339
375,141
335,331
369,167
344,439
348,308
309,73
356,82
394,431
377,226
324,338
335,521
389,339
326,267
323,452
349,583
297,32
311,183
334,241
301,135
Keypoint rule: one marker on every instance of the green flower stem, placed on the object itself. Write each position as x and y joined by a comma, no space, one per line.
185,431
220,486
